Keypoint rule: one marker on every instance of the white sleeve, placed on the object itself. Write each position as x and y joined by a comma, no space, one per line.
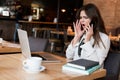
70,51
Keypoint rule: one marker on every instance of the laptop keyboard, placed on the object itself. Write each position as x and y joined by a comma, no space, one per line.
38,55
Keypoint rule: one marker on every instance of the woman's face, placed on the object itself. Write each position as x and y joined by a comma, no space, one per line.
84,19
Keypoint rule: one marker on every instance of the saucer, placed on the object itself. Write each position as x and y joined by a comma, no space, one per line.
42,68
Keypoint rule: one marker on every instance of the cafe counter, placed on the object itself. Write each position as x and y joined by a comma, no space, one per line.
7,25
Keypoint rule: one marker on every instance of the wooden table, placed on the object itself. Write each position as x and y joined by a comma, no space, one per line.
38,22
9,47
11,69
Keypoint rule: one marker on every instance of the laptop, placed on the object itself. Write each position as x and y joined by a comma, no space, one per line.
26,52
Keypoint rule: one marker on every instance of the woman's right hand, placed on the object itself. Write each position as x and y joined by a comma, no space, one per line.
78,32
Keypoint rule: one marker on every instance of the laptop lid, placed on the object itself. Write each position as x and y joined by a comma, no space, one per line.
24,43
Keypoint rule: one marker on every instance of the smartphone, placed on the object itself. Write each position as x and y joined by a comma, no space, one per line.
92,23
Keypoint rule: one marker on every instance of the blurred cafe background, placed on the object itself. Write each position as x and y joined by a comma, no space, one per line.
53,19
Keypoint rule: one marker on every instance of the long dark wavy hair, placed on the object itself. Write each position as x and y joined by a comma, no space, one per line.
98,24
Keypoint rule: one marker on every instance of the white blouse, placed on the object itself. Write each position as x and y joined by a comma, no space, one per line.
95,53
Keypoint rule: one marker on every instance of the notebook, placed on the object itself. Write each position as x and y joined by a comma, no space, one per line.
83,64
25,48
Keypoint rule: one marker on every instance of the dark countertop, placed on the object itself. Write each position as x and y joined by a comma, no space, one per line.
6,18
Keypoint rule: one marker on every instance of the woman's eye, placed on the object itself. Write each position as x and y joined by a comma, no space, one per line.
80,17
85,17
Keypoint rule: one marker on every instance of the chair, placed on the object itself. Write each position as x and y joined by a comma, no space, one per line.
46,34
42,32
55,42
38,44
66,42
112,65
36,31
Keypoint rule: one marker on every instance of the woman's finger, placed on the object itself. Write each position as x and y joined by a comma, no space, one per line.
74,25
79,25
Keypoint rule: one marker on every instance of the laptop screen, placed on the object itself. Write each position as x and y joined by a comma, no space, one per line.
24,43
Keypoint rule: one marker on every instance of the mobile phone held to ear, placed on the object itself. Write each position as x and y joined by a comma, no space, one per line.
92,23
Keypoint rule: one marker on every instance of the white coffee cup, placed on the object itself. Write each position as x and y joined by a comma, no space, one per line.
32,63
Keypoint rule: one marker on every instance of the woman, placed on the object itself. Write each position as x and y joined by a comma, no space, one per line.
89,29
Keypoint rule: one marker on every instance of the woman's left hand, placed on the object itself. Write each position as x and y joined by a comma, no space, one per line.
89,32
